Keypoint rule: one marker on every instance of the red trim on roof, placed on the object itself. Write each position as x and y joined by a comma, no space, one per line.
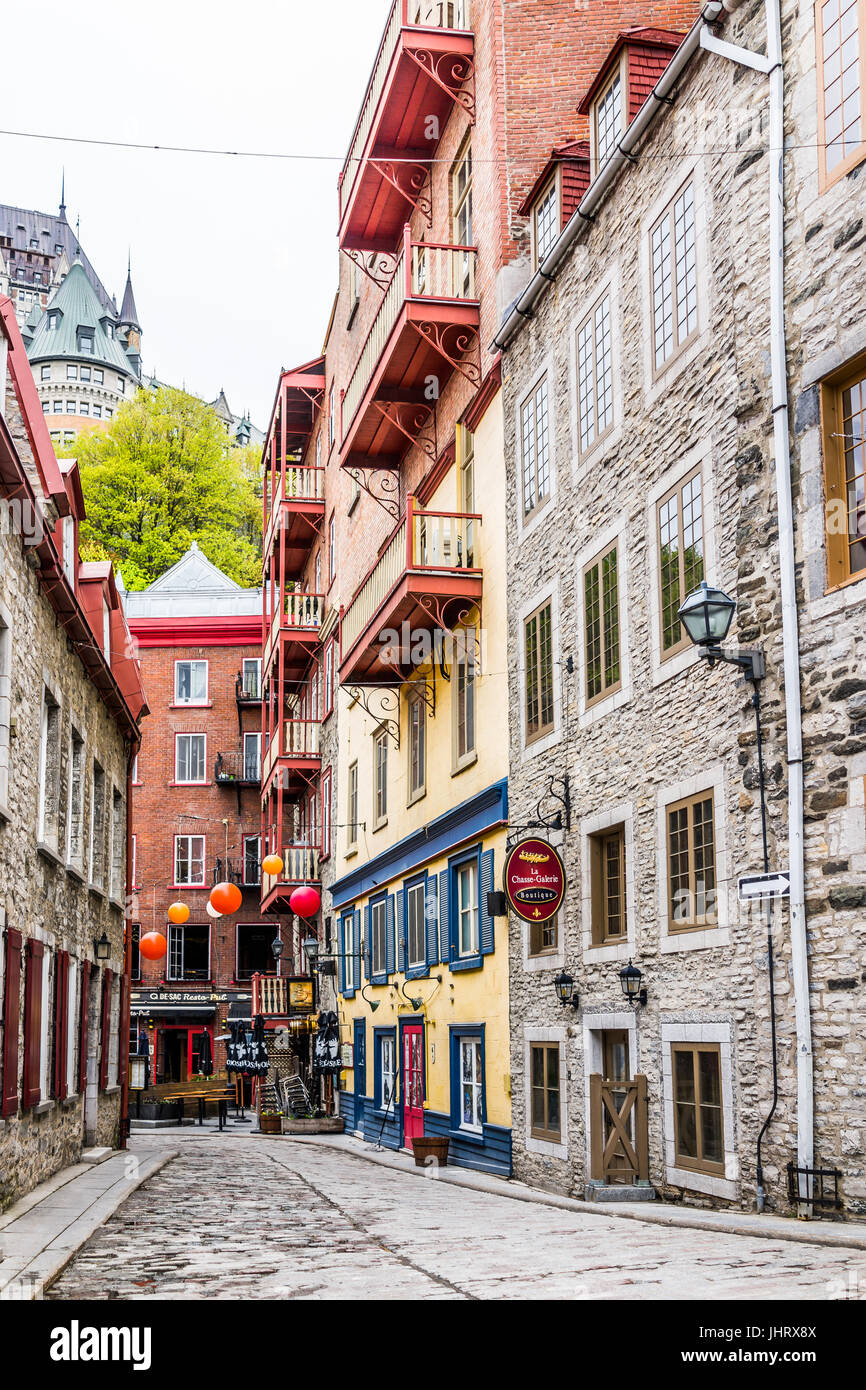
72,479
243,630
574,155
665,40
31,409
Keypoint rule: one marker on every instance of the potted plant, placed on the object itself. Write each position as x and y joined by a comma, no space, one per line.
431,1151
271,1121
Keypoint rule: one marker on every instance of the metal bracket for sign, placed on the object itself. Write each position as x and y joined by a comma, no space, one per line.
552,810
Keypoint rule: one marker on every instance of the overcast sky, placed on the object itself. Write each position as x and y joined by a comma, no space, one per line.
234,261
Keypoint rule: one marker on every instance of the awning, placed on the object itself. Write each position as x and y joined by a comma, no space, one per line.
192,1012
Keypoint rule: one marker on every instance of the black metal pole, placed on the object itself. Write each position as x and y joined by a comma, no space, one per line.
768,912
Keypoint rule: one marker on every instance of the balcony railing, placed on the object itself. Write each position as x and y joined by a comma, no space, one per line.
423,541
426,14
301,738
232,768
304,610
245,873
248,688
424,271
301,483
270,995
300,865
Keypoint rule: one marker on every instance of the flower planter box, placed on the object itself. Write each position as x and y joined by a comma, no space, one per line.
325,1124
430,1151
158,1110
270,1124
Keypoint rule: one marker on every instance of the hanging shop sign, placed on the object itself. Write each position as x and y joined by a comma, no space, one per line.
301,997
347,1056
534,880
326,1045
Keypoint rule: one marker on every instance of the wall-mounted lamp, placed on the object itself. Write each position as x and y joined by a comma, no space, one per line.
102,947
415,1003
630,978
310,948
374,1003
564,986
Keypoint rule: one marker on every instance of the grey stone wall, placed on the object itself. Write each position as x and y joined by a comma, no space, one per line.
39,895
679,725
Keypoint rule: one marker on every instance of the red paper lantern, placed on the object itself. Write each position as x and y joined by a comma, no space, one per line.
178,913
153,945
226,897
305,902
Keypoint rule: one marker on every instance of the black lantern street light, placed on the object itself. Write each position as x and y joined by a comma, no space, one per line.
310,948
277,949
630,978
564,986
707,615
102,947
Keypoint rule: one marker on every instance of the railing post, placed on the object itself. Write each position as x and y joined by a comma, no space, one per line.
596,1129
407,258
410,531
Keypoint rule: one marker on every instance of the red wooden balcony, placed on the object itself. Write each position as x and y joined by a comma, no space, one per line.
272,999
300,867
426,328
294,750
424,66
426,575
293,489
294,633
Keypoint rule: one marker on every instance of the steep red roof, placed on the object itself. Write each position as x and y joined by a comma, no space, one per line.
572,158
649,52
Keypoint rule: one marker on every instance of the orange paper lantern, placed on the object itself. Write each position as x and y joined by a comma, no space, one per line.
272,864
153,945
226,897
178,913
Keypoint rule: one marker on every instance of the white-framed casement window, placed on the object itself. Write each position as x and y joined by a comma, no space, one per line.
379,936
252,757
352,806
674,278
595,373
97,827
466,884
535,448
252,859
69,549
49,971
538,672
465,688
49,771
380,766
416,940
347,951
189,951
113,1033
607,119
840,27
189,859
417,753
545,222
387,1069
601,630
693,863
680,522
73,1014
326,813
251,677
471,1084
190,682
546,1100
461,217
117,839
190,759
608,906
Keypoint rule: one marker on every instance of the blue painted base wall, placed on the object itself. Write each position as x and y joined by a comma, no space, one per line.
490,1152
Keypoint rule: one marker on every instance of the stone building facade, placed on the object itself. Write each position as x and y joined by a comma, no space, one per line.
651,353
196,816
70,702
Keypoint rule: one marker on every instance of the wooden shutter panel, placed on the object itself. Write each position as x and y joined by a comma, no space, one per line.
30,1091
342,947
61,1024
487,924
444,916
11,1012
356,932
83,1026
390,951
368,944
123,1034
431,922
104,1028
403,931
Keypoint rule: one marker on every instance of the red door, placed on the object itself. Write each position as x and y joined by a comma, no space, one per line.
413,1083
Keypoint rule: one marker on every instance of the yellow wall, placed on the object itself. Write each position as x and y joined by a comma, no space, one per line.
473,996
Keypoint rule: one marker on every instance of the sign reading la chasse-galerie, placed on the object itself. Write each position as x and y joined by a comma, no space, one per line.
534,880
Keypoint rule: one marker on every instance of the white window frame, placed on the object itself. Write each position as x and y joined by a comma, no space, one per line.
618,77
604,444
657,383
702,938
549,594
192,859
416,709
379,937
191,663
722,1034
617,534
251,882
527,524
254,662
387,1074
471,912
473,1042
255,737
415,893
347,943
190,781
352,807
547,1147
466,675
380,778
551,189
626,948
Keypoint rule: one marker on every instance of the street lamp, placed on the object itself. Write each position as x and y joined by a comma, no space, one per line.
374,1003
564,986
630,978
310,947
102,947
277,948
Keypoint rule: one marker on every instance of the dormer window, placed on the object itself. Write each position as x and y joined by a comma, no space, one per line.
54,322
85,342
545,222
58,249
109,329
607,121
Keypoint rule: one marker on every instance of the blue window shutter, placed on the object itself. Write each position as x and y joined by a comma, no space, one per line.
444,916
390,951
403,930
431,922
356,947
487,923
368,945
341,947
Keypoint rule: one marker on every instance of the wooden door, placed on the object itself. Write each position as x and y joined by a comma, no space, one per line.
360,1060
413,1082
615,1072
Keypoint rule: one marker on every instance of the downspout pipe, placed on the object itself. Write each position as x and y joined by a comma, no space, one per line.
661,95
790,623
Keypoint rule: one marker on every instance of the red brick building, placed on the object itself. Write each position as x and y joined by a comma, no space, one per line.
196,809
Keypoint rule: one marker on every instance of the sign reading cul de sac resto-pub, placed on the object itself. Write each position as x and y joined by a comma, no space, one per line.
534,880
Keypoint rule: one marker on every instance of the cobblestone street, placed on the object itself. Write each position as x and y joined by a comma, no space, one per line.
235,1217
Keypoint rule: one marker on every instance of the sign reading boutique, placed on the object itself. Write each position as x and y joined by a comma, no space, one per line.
534,880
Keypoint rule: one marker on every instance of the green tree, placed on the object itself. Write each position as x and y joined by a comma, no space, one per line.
162,475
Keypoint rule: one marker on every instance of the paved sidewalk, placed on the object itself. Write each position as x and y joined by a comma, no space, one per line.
850,1237
42,1232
